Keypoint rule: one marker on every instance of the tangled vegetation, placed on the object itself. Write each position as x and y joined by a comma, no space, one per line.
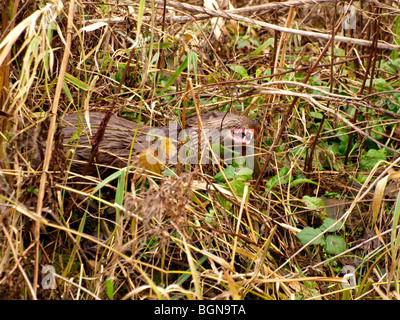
322,222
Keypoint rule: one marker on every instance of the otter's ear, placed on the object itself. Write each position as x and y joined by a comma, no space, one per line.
213,114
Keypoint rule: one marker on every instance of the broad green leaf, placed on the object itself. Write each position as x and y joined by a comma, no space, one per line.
308,233
244,172
371,158
168,172
240,70
315,203
335,244
238,187
328,222
229,174
219,177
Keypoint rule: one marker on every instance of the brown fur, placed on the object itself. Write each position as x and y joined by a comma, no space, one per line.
115,147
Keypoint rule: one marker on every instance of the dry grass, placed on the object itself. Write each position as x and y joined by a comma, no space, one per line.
190,236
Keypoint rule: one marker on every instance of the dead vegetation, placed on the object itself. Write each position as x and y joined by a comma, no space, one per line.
329,112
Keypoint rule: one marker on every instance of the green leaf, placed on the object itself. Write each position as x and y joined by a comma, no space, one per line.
33,190
140,18
76,82
369,160
107,180
395,236
67,92
184,277
335,244
219,177
168,172
229,174
241,44
259,50
119,195
227,205
176,74
210,216
328,222
376,135
109,288
309,233
238,187
240,70
315,203
280,178
192,62
118,75
301,180
244,174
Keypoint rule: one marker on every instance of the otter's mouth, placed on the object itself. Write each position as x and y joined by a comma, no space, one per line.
242,136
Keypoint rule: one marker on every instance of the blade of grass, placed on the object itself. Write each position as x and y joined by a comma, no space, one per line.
395,246
193,269
140,19
239,219
176,74
396,37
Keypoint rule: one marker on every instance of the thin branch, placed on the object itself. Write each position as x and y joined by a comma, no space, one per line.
232,14
50,137
227,15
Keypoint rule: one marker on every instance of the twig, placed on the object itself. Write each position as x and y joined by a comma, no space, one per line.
368,75
230,14
95,142
290,109
360,195
330,110
226,15
50,136
310,153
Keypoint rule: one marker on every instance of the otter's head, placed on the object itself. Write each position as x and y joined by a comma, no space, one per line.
241,130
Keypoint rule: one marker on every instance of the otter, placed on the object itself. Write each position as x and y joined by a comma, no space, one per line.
169,143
